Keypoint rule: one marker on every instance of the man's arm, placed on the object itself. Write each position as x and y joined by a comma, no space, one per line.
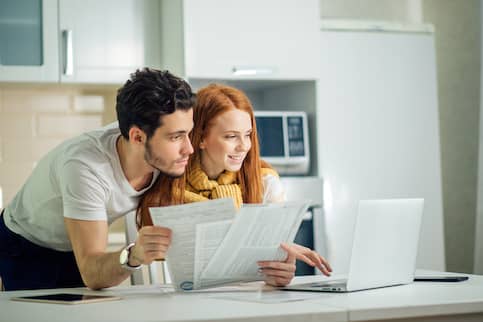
100,269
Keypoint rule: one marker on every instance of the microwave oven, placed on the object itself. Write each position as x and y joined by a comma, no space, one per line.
284,140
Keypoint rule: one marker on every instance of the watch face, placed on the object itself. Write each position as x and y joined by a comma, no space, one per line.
124,256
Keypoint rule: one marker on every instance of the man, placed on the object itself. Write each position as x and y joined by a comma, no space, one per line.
54,232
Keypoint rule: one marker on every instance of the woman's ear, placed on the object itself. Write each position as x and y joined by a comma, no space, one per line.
202,144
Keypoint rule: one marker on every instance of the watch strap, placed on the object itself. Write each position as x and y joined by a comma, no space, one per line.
126,265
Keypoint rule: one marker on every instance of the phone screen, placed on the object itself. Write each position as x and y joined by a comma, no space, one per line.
440,278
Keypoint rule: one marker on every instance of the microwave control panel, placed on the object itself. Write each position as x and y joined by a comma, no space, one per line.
295,129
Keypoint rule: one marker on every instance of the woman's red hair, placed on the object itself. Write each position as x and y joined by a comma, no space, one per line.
211,101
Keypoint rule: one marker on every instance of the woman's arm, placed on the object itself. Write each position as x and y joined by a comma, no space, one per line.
274,191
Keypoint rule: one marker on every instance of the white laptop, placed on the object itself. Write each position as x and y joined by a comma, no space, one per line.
384,248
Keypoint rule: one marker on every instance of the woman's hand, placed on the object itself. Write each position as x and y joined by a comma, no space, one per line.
279,273
311,258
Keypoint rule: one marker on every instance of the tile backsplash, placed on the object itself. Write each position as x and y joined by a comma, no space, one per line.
34,119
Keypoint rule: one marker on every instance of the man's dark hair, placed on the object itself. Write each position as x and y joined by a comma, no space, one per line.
149,94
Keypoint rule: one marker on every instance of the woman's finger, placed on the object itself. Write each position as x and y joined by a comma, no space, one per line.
269,272
326,263
306,260
291,253
277,281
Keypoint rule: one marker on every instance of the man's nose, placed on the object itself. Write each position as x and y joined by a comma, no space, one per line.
188,147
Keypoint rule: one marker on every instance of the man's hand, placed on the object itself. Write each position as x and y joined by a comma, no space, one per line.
152,243
311,258
279,273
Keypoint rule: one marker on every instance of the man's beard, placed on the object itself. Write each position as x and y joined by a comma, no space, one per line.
148,156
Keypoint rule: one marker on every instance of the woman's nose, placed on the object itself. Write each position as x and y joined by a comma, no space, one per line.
244,145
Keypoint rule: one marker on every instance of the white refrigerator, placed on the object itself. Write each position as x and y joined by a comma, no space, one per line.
378,131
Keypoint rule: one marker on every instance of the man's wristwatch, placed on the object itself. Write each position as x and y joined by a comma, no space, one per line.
124,258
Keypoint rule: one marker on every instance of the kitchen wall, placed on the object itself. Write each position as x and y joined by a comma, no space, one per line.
36,118
479,208
457,34
389,10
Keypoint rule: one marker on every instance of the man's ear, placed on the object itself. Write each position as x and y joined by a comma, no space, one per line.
136,135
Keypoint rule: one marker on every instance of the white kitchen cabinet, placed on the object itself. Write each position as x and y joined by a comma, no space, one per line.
232,39
28,41
78,41
104,41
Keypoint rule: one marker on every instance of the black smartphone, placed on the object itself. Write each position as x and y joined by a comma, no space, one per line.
440,278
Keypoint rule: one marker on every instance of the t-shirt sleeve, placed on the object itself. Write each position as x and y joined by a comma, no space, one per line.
84,196
273,189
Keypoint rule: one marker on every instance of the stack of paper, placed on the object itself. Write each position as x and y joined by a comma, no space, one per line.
214,244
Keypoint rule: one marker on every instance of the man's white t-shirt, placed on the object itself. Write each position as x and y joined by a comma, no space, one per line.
81,179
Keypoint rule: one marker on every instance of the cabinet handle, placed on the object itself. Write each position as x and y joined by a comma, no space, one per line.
68,52
252,71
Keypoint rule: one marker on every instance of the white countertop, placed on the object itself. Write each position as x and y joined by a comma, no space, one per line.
159,303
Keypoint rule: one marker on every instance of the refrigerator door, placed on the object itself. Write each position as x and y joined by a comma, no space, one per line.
378,133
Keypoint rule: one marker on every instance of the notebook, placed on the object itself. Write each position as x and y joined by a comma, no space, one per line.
384,248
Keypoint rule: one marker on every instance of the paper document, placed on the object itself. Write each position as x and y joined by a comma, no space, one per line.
267,297
213,244
208,237
254,235
182,220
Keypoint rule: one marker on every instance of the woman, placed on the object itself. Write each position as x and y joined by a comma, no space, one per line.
226,163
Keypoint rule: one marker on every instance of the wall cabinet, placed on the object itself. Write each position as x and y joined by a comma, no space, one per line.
28,41
269,49
104,41
74,41
231,39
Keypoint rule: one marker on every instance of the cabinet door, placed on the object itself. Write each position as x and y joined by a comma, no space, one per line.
270,39
28,41
104,41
